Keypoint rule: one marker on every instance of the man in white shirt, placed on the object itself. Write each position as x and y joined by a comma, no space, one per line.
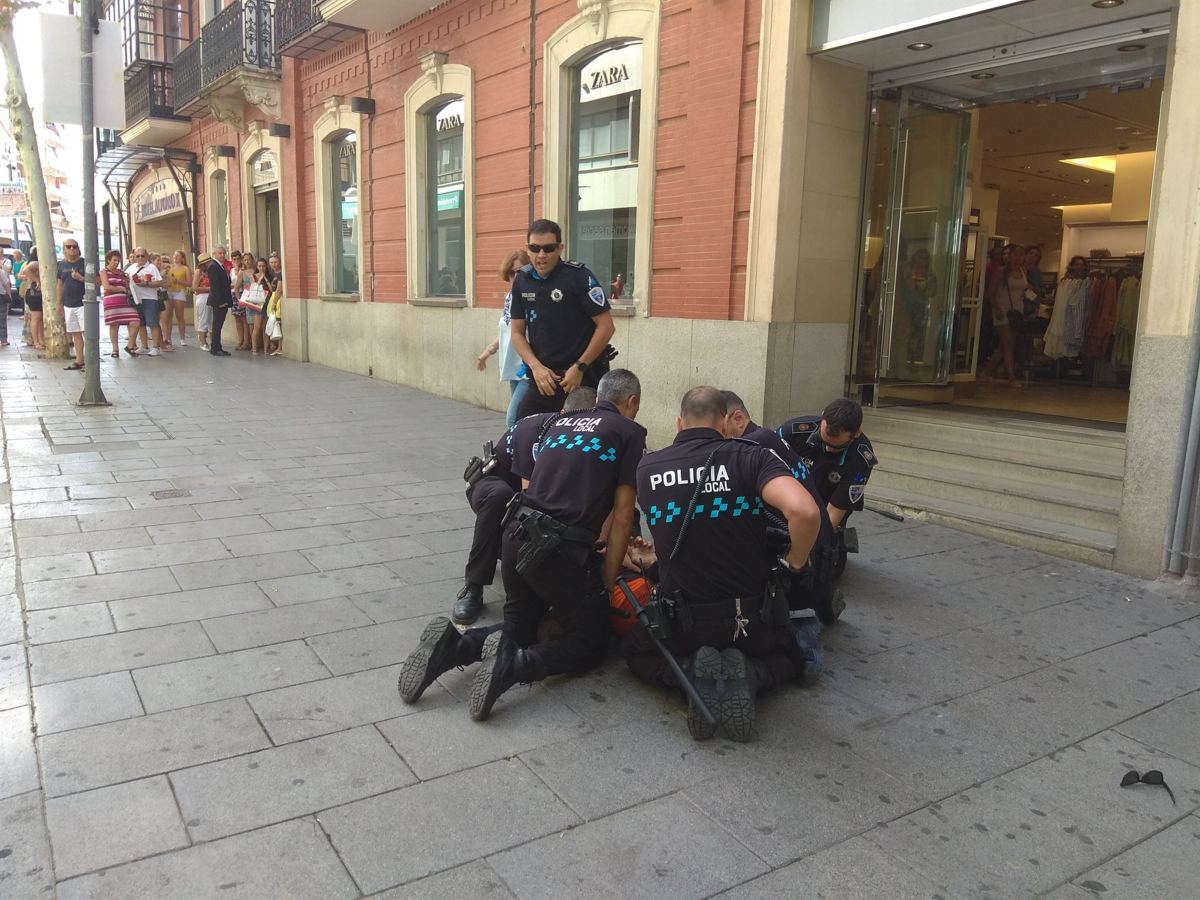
145,279
5,291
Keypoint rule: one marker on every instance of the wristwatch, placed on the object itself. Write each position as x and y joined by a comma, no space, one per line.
582,366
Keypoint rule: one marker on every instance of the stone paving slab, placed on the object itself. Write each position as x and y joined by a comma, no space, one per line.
1170,727
98,588
14,680
1165,865
18,764
292,860
25,867
187,606
475,880
86,701
79,658
11,630
272,626
112,825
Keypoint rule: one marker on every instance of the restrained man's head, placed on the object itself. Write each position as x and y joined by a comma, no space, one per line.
621,388
703,407
580,399
737,420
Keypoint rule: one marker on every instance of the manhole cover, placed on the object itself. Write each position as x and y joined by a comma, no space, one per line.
169,495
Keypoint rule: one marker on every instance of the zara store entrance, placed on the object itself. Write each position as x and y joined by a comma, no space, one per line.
982,183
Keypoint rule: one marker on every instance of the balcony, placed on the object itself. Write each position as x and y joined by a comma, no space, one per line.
152,31
372,15
150,118
301,31
234,62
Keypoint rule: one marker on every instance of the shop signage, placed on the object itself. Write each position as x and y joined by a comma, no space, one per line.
606,232
451,116
264,171
160,199
449,201
612,73
12,187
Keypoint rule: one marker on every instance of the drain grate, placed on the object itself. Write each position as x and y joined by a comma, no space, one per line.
169,495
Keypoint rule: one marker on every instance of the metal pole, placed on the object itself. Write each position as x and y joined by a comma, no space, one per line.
92,394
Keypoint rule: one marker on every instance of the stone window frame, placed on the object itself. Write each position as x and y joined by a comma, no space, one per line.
599,24
439,82
260,139
337,117
212,165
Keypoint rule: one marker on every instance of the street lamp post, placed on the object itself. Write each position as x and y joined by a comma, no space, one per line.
92,394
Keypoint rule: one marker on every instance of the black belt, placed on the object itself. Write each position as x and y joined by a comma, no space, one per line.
567,532
714,610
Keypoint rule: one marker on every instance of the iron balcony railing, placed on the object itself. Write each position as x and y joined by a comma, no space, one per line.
188,75
294,19
149,94
240,35
151,30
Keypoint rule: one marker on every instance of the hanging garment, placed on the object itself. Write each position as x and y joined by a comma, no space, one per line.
1070,295
1126,326
1102,319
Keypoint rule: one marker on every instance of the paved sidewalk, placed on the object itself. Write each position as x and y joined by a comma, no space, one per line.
208,588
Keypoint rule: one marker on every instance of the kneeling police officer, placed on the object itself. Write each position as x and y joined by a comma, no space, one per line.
491,484
718,595
585,469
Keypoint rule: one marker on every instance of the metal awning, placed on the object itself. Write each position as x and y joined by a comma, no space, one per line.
118,166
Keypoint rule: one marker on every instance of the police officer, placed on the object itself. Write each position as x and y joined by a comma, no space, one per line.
584,471
839,456
814,590
704,498
490,494
560,321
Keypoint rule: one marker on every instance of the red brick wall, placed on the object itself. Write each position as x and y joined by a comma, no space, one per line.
707,80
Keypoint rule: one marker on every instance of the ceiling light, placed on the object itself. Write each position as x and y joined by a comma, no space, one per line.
1099,163
1138,133
1107,4
1121,128
1130,48
983,76
922,45
1087,181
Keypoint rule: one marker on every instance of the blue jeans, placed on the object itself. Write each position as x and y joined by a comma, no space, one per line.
4,301
518,389
149,311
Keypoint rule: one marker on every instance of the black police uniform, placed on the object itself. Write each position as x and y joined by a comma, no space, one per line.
580,462
724,556
490,495
558,311
840,476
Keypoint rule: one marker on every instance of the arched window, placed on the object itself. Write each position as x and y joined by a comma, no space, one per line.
605,113
342,211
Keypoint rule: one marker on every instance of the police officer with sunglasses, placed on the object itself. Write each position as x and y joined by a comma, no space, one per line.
561,321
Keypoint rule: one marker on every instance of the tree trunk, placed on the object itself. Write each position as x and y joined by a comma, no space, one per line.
25,135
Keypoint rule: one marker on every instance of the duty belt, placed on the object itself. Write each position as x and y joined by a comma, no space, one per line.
565,532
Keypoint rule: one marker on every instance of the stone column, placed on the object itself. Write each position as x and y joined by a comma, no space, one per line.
1166,351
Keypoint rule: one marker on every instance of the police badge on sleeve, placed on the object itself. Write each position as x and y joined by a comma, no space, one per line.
856,493
597,295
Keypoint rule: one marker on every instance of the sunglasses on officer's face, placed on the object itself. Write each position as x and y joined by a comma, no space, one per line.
542,248
1153,777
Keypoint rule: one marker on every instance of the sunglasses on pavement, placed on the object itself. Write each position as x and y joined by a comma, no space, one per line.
1153,777
542,248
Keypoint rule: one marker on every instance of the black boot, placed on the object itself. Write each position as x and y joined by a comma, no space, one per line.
469,605
737,695
435,654
504,664
706,672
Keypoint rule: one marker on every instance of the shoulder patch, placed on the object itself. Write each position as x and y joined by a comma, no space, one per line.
574,263
856,493
597,296
802,427
868,455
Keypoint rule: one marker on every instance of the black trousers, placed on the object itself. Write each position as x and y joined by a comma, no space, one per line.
570,581
770,649
488,499
535,402
218,322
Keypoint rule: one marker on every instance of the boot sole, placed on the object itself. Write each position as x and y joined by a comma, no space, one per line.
737,700
414,674
483,695
706,672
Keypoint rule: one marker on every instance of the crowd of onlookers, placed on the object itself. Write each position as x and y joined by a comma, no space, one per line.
147,294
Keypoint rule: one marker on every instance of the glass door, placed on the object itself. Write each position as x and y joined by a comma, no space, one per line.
912,247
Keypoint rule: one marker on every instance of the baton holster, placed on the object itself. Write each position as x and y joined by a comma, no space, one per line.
540,534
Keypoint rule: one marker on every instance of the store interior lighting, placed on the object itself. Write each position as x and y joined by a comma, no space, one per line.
1098,163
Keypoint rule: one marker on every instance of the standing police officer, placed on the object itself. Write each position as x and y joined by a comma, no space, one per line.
489,494
560,321
704,499
584,471
839,456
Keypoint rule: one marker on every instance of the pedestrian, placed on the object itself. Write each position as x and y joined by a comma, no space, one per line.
274,326
561,321
5,292
584,474
71,286
31,294
240,280
14,295
261,288
511,366
220,298
119,306
702,496
201,311
145,279
179,278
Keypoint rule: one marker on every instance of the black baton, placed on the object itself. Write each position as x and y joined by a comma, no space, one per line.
895,517
680,675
